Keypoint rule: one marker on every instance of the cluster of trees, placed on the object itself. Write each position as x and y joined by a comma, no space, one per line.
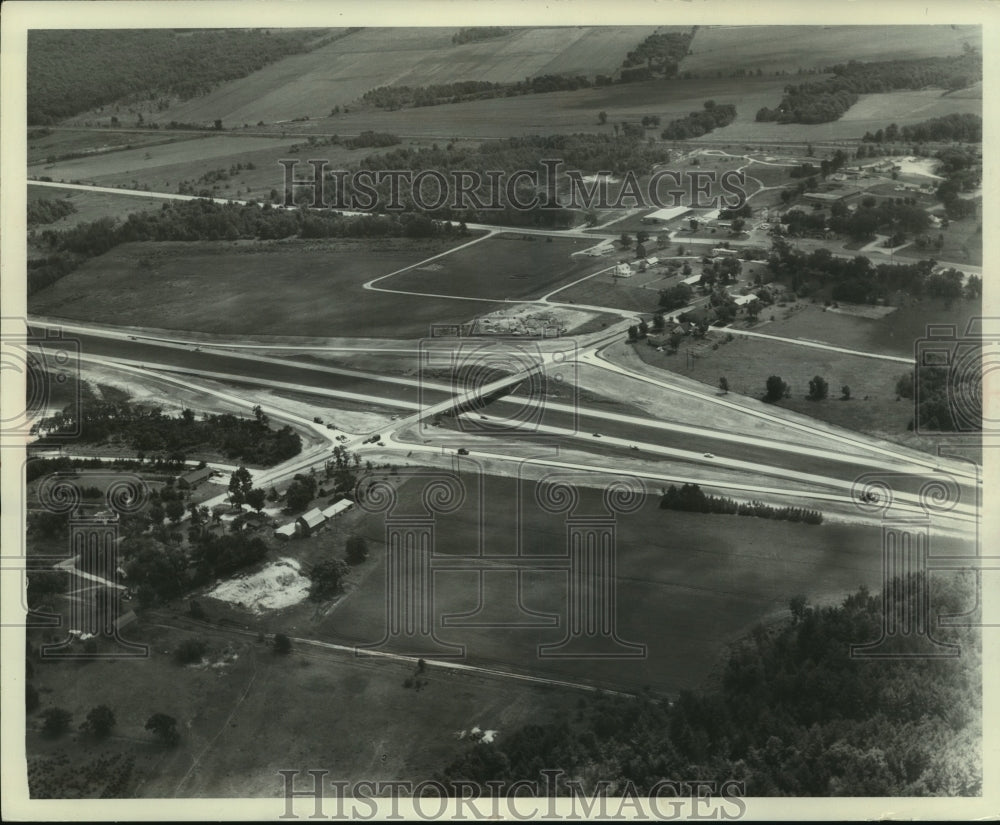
690,498
962,127
824,100
794,714
477,33
856,280
658,54
712,116
212,177
370,139
149,429
940,392
48,210
962,170
73,71
204,220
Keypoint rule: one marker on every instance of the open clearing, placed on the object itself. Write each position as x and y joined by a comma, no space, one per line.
232,288
788,48
310,85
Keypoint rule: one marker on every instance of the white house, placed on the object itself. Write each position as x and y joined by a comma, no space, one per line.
623,271
309,521
286,531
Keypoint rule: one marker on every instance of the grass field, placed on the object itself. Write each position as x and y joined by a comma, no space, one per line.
340,73
287,288
518,267
963,244
90,206
894,335
246,713
687,583
789,48
66,141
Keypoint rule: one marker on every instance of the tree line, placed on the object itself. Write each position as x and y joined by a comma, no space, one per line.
692,499
793,714
822,101
149,429
963,127
48,210
713,116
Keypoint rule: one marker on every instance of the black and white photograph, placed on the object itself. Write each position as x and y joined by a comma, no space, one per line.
446,411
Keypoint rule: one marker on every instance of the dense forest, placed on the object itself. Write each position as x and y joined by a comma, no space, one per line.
947,399
696,124
204,220
73,71
821,101
48,210
793,713
965,128
149,430
658,54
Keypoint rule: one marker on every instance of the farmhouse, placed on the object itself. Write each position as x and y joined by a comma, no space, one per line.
195,477
623,271
652,261
832,197
337,508
692,280
310,521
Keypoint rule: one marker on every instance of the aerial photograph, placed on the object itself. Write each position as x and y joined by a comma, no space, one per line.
501,413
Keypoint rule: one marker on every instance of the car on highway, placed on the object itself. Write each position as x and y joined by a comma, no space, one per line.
597,435
462,451
708,455
632,447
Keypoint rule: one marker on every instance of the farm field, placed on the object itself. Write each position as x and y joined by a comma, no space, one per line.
518,267
245,713
285,288
310,85
788,48
687,584
96,141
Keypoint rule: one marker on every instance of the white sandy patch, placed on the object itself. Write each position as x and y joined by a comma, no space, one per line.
279,585
530,319
918,166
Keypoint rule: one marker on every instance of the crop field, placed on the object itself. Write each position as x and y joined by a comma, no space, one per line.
95,141
686,583
310,85
789,48
289,288
561,112
245,713
509,266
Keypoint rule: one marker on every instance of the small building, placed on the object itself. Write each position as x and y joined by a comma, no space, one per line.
742,300
652,261
310,521
692,279
195,477
623,271
286,531
664,215
601,249
722,251
337,508
829,198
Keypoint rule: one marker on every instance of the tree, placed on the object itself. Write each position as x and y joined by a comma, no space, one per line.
818,388
643,328
356,550
626,240
100,722
327,578
240,483
724,385
658,322
845,393
633,333
282,644
256,498
797,607
776,389
602,118
300,492
737,225
164,728
56,721
174,510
